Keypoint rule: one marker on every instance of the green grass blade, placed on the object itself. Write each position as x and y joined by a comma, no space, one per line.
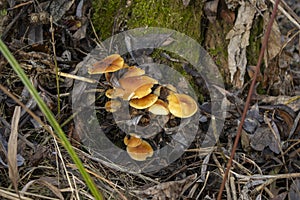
50,117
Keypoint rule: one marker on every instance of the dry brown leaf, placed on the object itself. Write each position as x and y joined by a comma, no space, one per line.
167,190
263,137
12,148
274,42
239,40
204,167
295,189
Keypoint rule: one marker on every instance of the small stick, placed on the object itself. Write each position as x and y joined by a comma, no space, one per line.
55,63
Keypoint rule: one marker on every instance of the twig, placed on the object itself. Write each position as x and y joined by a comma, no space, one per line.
257,70
233,188
264,177
204,185
34,116
295,20
80,78
20,5
55,63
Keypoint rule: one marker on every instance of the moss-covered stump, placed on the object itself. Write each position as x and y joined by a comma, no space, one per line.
113,16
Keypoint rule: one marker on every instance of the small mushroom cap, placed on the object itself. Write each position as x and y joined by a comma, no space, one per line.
143,91
132,140
144,102
182,105
159,108
130,84
111,63
133,71
112,105
141,152
114,93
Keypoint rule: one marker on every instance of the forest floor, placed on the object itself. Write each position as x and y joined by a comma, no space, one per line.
51,36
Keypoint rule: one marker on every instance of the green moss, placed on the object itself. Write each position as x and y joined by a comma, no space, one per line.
260,90
104,16
255,42
219,52
143,13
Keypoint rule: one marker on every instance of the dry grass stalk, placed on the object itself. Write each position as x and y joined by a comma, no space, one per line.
12,149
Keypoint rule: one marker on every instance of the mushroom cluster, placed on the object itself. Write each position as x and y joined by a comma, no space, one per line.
130,83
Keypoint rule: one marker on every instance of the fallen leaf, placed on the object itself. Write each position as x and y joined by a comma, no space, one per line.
262,138
12,148
274,42
295,190
281,196
59,8
167,190
204,167
239,40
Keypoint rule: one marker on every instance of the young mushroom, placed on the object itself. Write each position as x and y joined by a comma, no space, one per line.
137,148
111,63
181,105
132,140
112,105
114,93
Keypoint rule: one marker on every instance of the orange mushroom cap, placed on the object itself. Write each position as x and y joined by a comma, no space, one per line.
182,105
114,93
143,91
111,63
159,108
132,140
130,84
144,102
133,71
140,152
